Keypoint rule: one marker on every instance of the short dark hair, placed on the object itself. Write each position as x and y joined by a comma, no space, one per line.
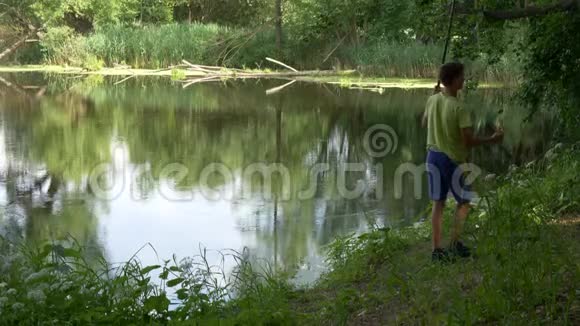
450,71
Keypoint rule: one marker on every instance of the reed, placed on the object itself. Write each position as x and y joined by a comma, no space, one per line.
161,46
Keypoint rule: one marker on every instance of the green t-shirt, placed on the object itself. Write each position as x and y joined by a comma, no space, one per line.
446,117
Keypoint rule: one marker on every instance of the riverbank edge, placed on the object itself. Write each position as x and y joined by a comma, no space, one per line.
526,264
347,78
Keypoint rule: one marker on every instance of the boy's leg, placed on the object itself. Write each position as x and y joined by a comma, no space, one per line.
462,193
438,189
437,221
460,216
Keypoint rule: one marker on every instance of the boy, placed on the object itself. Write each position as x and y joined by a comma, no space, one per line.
450,137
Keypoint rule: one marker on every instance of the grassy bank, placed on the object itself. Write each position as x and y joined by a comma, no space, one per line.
160,46
527,270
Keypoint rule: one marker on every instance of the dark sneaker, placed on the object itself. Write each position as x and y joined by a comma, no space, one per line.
460,250
440,255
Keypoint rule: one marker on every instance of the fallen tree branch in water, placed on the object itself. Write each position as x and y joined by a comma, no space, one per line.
279,88
135,75
22,90
211,73
200,80
12,86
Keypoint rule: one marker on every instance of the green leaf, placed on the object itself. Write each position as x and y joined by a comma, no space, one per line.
174,282
159,303
144,282
46,250
181,294
148,269
68,252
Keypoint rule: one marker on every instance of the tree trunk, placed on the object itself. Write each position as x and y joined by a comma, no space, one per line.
190,12
279,26
16,45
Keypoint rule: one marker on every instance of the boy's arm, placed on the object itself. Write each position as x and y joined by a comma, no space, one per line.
470,140
425,120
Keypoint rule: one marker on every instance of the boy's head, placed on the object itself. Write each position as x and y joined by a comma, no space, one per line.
452,75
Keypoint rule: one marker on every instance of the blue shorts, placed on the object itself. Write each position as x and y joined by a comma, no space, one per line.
444,176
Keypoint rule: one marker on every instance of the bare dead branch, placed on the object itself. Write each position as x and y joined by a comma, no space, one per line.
281,64
16,45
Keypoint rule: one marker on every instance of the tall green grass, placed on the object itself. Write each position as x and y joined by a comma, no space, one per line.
157,46
418,60
62,283
386,58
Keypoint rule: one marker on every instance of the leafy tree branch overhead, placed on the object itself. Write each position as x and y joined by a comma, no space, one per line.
525,11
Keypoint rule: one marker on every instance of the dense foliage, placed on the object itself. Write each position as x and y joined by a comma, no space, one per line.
317,34
551,57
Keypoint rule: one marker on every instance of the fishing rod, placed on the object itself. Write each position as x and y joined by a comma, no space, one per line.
448,40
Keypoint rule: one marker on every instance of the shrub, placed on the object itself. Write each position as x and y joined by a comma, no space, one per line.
62,46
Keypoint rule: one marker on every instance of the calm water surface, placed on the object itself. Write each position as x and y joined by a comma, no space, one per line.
56,140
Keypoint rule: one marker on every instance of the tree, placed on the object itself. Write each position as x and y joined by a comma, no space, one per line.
19,24
547,47
279,25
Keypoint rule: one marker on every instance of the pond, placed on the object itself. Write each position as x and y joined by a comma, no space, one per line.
223,165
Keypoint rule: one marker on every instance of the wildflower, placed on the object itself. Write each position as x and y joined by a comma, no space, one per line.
36,295
17,306
8,261
3,300
36,276
530,164
11,291
550,155
490,177
66,285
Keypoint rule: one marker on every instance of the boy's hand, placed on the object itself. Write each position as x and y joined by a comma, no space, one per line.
437,89
497,137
